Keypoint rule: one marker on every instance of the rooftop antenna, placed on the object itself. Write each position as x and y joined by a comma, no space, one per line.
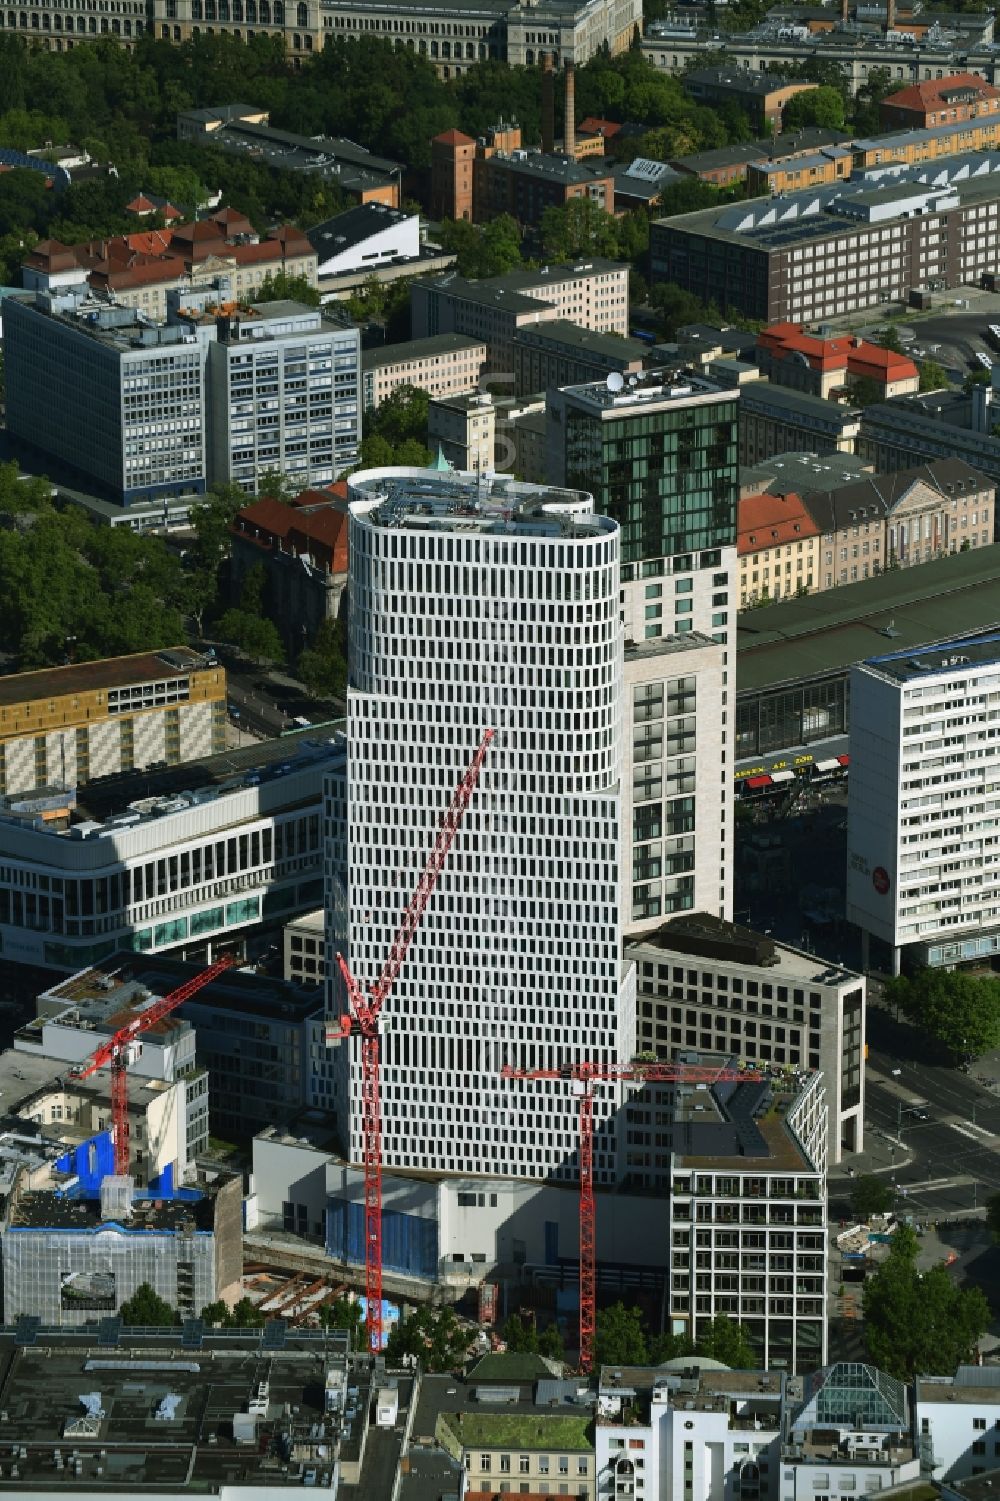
615,382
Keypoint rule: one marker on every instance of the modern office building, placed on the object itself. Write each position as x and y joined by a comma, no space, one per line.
219,394
65,726
177,858
677,808
304,949
593,294
442,365
116,400
660,456
707,984
285,395
922,872
479,605
748,1219
779,43
956,1419
838,249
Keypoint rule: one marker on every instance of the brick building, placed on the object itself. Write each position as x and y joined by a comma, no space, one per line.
761,96
940,101
303,548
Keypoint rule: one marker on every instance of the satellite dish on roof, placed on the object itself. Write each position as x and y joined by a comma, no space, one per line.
615,381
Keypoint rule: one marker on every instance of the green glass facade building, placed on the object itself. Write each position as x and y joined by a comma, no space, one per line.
661,459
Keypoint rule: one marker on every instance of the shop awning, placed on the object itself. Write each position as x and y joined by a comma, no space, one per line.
756,783
844,760
782,776
832,765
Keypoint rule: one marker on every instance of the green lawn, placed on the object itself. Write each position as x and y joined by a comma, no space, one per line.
521,1430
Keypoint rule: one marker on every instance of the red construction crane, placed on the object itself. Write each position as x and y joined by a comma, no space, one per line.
364,1014
584,1076
118,1051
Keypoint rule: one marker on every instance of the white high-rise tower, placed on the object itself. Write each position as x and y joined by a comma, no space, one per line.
475,605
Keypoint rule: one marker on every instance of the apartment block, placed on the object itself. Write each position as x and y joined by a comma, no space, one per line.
592,293
778,546
140,270
285,395
179,861
921,837
708,984
829,367
65,726
776,420
487,567
442,365
842,248
958,1426
676,782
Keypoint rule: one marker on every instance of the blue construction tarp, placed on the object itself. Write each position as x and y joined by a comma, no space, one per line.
409,1243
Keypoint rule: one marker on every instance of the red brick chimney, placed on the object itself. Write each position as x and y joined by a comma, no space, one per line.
844,11
569,123
548,104
890,15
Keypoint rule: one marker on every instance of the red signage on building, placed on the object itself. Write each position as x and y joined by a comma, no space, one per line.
880,880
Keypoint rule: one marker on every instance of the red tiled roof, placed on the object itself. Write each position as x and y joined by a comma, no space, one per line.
593,126
856,356
930,94
315,522
772,520
140,205
266,516
454,138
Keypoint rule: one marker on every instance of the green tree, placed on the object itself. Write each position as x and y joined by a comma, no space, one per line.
619,1336
255,636
822,107
959,1010
402,415
215,1314
520,1335
280,287
550,1343
869,1196
435,1337
343,1313
933,376
579,227
726,1340
919,1322
976,378
322,667
147,1309
993,1215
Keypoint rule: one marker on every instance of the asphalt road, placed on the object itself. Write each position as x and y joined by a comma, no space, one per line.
941,1126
